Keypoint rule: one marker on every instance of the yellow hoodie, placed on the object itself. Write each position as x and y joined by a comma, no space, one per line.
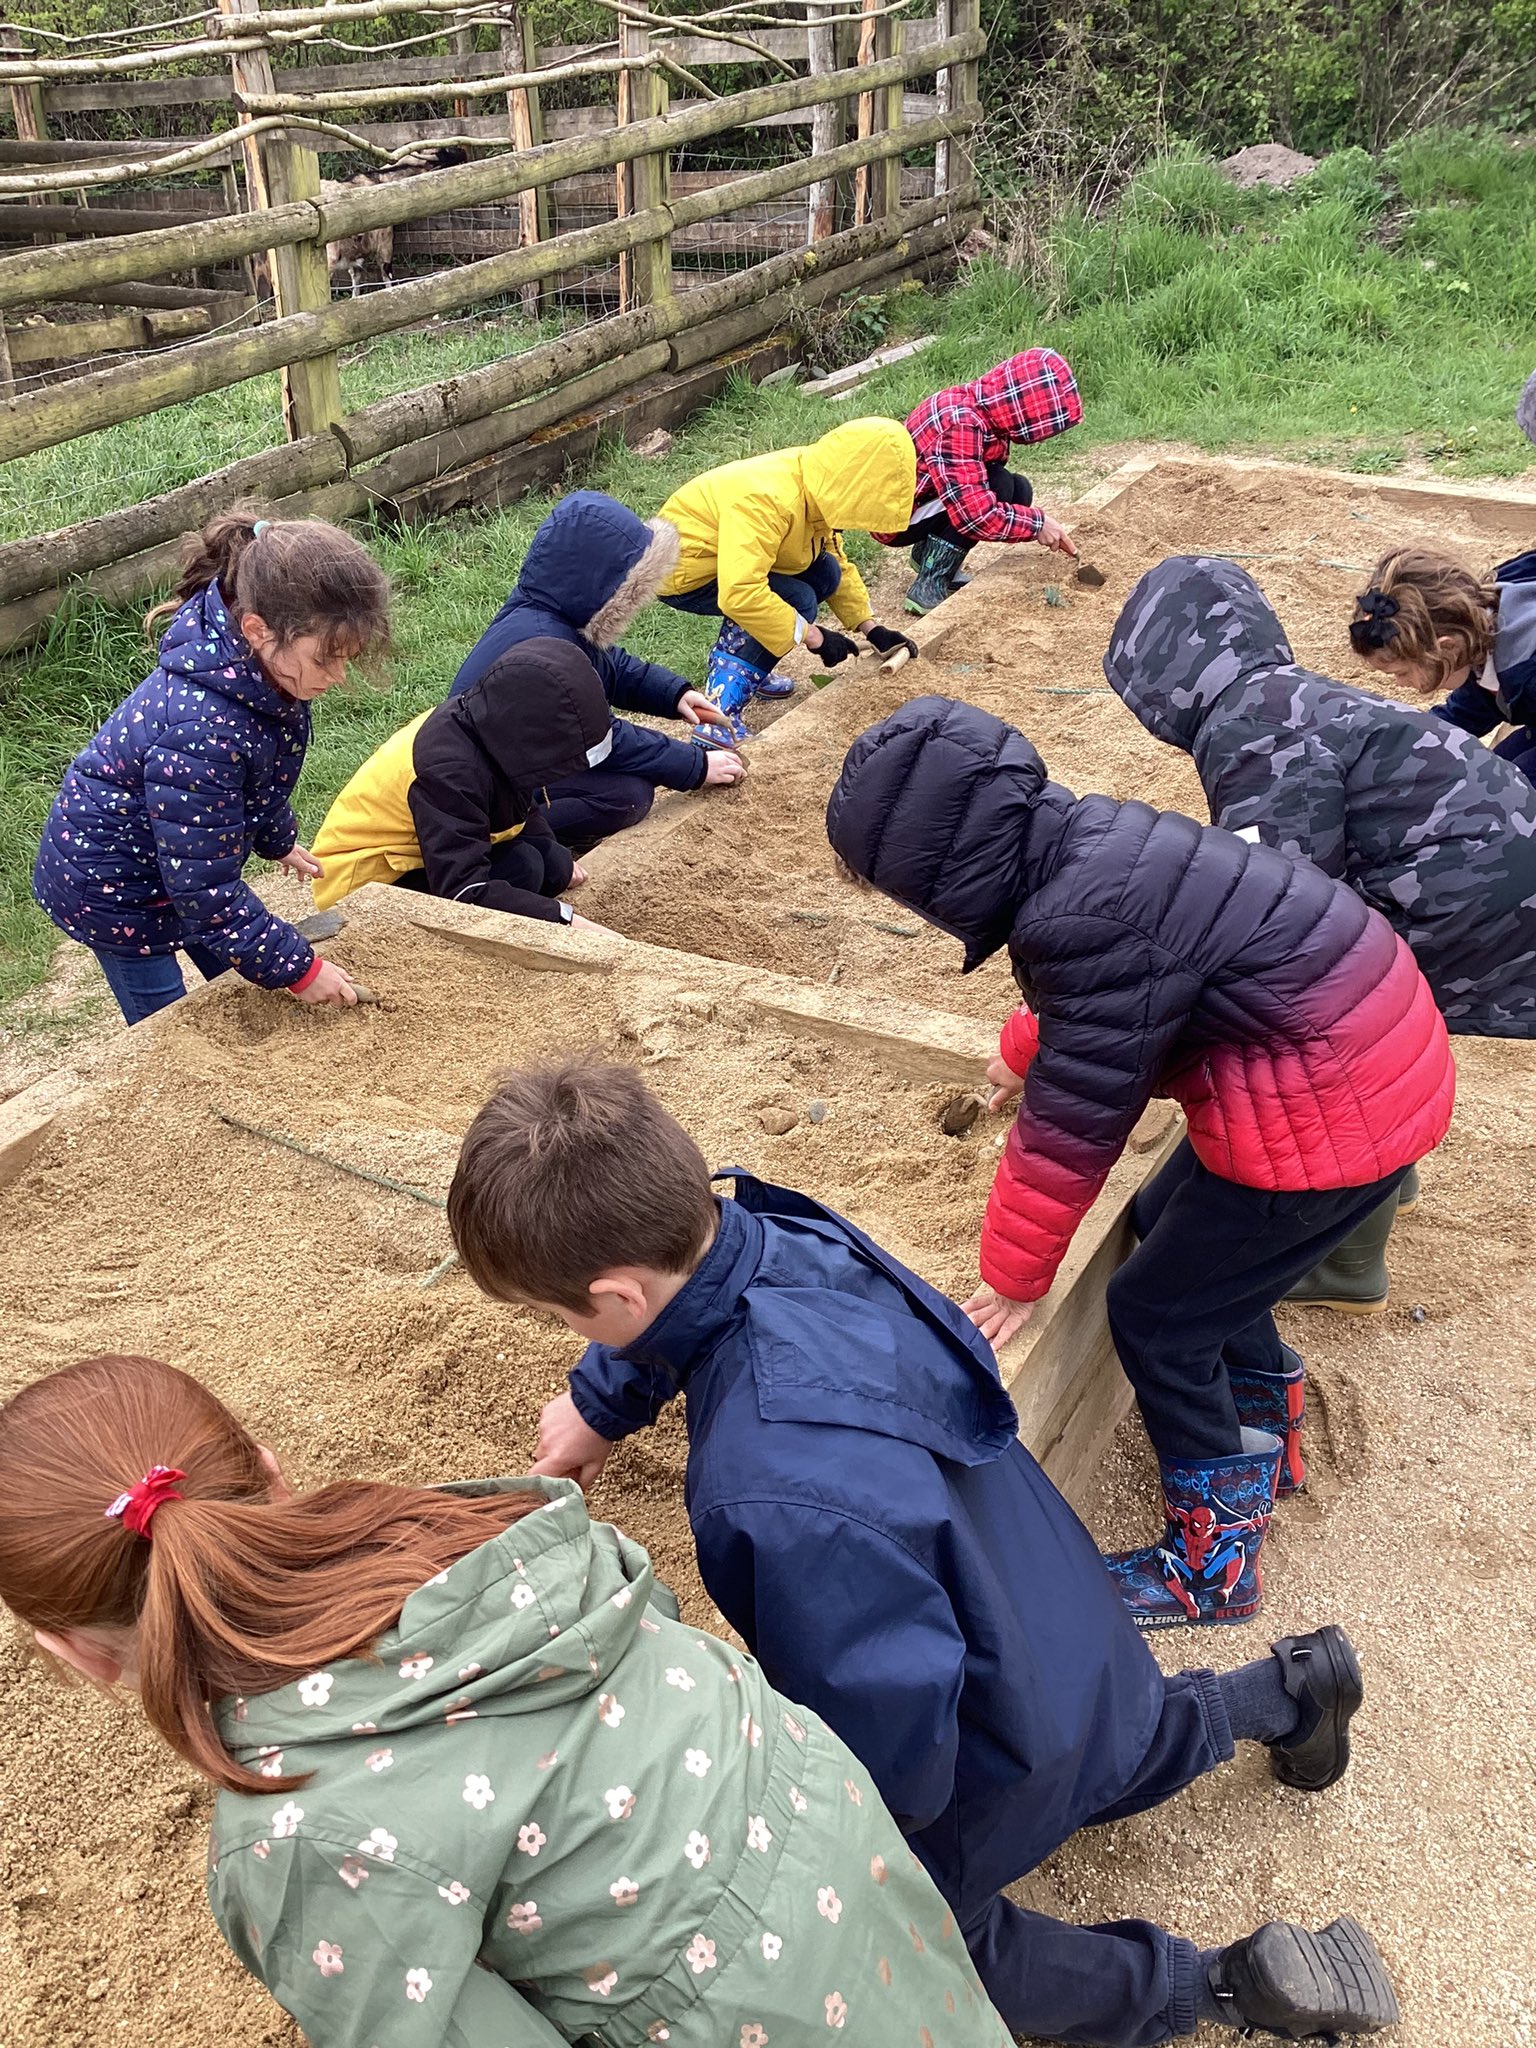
778,512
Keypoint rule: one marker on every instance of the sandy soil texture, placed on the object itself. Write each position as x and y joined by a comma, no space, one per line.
148,1225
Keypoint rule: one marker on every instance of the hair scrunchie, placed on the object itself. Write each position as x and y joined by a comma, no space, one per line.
1373,629
260,528
136,1508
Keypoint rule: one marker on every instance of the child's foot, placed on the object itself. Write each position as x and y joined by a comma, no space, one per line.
1216,1515
731,736
1283,1980
1322,1675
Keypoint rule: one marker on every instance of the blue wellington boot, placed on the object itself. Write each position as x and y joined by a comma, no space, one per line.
938,561
731,639
729,683
1276,1401
1206,1569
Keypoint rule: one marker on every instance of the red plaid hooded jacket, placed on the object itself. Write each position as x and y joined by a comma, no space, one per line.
958,432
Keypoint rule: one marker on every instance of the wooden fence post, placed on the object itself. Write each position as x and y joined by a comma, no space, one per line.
645,273
943,85
525,114
964,83
887,179
826,124
282,173
26,111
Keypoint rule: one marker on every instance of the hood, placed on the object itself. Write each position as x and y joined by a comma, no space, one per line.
537,1617
949,811
1029,398
203,640
862,475
1191,628
597,564
539,712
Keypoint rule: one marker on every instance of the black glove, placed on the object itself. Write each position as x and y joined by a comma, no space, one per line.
835,647
886,640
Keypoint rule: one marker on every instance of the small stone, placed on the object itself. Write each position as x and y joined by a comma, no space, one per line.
815,1111
98,1990
132,1888
1418,1313
959,1115
654,446
776,1121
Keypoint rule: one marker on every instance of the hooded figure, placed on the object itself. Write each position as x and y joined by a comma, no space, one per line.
591,569
965,489
762,549
1162,957
543,1811
450,804
1433,830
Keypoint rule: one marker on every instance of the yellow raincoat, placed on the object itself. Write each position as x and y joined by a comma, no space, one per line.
778,512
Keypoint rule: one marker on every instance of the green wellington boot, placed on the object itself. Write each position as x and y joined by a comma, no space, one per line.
1409,1193
1353,1278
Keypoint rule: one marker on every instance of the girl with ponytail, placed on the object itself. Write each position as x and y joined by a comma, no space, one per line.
478,1784
144,850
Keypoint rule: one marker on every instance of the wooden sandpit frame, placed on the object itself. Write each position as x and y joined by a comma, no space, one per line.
1061,1369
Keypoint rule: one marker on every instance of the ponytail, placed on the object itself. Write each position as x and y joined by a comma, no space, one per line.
300,575
1417,597
230,1591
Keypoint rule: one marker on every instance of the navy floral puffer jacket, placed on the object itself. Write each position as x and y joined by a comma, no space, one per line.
145,845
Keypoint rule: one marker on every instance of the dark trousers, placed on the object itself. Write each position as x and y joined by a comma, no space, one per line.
1007,488
536,863
1520,748
1124,1983
1195,1296
144,983
595,804
807,592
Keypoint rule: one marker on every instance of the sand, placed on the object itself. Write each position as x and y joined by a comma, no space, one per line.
297,1294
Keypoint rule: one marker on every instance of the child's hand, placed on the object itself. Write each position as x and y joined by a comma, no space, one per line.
579,923
723,768
1053,534
298,860
995,1315
330,985
567,1448
1005,1083
694,708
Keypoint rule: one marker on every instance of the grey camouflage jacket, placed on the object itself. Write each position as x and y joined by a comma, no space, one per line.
1423,821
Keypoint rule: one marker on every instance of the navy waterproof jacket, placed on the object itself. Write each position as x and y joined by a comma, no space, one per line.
158,814
575,567
867,1519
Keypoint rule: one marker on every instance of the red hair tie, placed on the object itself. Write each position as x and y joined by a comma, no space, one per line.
136,1508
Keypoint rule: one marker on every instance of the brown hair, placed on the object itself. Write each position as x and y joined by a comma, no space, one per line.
300,575
1416,597
568,1172
232,1591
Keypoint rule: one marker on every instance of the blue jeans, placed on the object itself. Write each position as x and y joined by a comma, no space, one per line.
806,592
144,983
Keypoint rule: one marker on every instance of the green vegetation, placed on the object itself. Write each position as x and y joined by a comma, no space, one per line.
1382,310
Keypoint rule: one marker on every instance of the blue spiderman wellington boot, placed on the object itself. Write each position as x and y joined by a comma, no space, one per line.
1277,1402
766,682
1206,1569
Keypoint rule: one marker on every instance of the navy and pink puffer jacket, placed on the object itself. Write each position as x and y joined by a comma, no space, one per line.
1157,957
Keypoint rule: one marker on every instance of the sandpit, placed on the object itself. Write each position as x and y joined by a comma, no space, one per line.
143,1223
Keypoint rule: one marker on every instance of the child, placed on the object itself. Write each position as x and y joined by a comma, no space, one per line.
965,489
762,549
451,804
477,1784
1432,830
143,852
590,568
1159,956
1427,620
868,1520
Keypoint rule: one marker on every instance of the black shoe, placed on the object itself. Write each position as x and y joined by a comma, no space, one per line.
1322,1675
1283,1980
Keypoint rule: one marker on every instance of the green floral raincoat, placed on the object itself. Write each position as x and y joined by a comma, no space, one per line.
549,1812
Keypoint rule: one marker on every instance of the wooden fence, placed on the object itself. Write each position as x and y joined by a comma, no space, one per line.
697,262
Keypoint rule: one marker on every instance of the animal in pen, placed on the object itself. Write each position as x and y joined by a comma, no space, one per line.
354,255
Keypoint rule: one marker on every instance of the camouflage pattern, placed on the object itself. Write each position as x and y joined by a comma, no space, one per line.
1423,821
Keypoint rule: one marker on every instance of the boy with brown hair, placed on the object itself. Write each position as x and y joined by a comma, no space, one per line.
867,1519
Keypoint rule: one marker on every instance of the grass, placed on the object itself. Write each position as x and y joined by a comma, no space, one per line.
1380,311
